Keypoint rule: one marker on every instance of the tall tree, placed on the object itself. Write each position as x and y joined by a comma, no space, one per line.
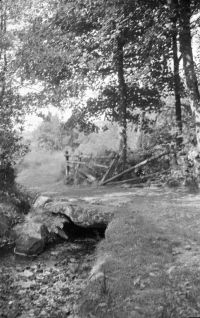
185,39
177,79
119,58
11,110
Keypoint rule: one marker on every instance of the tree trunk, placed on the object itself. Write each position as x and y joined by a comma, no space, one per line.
119,56
177,80
3,57
188,63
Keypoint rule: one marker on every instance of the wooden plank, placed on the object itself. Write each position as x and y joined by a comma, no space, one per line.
93,157
78,162
86,163
144,162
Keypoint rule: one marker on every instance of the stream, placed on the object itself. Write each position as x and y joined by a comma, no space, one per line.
48,285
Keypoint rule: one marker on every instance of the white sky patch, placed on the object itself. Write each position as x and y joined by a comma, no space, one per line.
30,88
32,121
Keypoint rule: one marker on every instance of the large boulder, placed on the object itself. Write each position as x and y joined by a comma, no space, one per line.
59,219
31,235
41,201
28,246
8,217
82,213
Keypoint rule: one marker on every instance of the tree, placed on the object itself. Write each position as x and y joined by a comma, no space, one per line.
119,48
11,105
177,79
188,63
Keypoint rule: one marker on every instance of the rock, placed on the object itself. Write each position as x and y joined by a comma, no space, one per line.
8,217
30,237
173,183
188,247
60,218
29,246
26,273
82,214
126,185
41,201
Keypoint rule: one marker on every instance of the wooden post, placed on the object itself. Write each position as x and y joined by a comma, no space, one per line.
67,171
76,174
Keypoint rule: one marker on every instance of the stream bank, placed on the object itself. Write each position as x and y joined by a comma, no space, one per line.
55,283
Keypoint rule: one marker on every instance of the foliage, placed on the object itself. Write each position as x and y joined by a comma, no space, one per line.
75,49
71,47
49,135
11,103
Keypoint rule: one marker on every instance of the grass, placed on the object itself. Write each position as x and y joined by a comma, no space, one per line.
42,169
139,271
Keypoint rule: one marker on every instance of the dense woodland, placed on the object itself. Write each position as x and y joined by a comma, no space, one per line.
140,60
128,72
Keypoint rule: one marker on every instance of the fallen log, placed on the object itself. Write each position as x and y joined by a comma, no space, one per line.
141,178
144,162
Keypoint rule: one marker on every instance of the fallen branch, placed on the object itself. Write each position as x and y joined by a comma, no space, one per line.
144,162
87,175
141,178
100,165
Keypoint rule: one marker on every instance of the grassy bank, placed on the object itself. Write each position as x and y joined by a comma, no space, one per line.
148,264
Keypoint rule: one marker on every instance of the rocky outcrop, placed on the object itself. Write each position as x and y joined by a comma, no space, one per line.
30,236
8,217
82,213
28,245
49,220
41,201
4,228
